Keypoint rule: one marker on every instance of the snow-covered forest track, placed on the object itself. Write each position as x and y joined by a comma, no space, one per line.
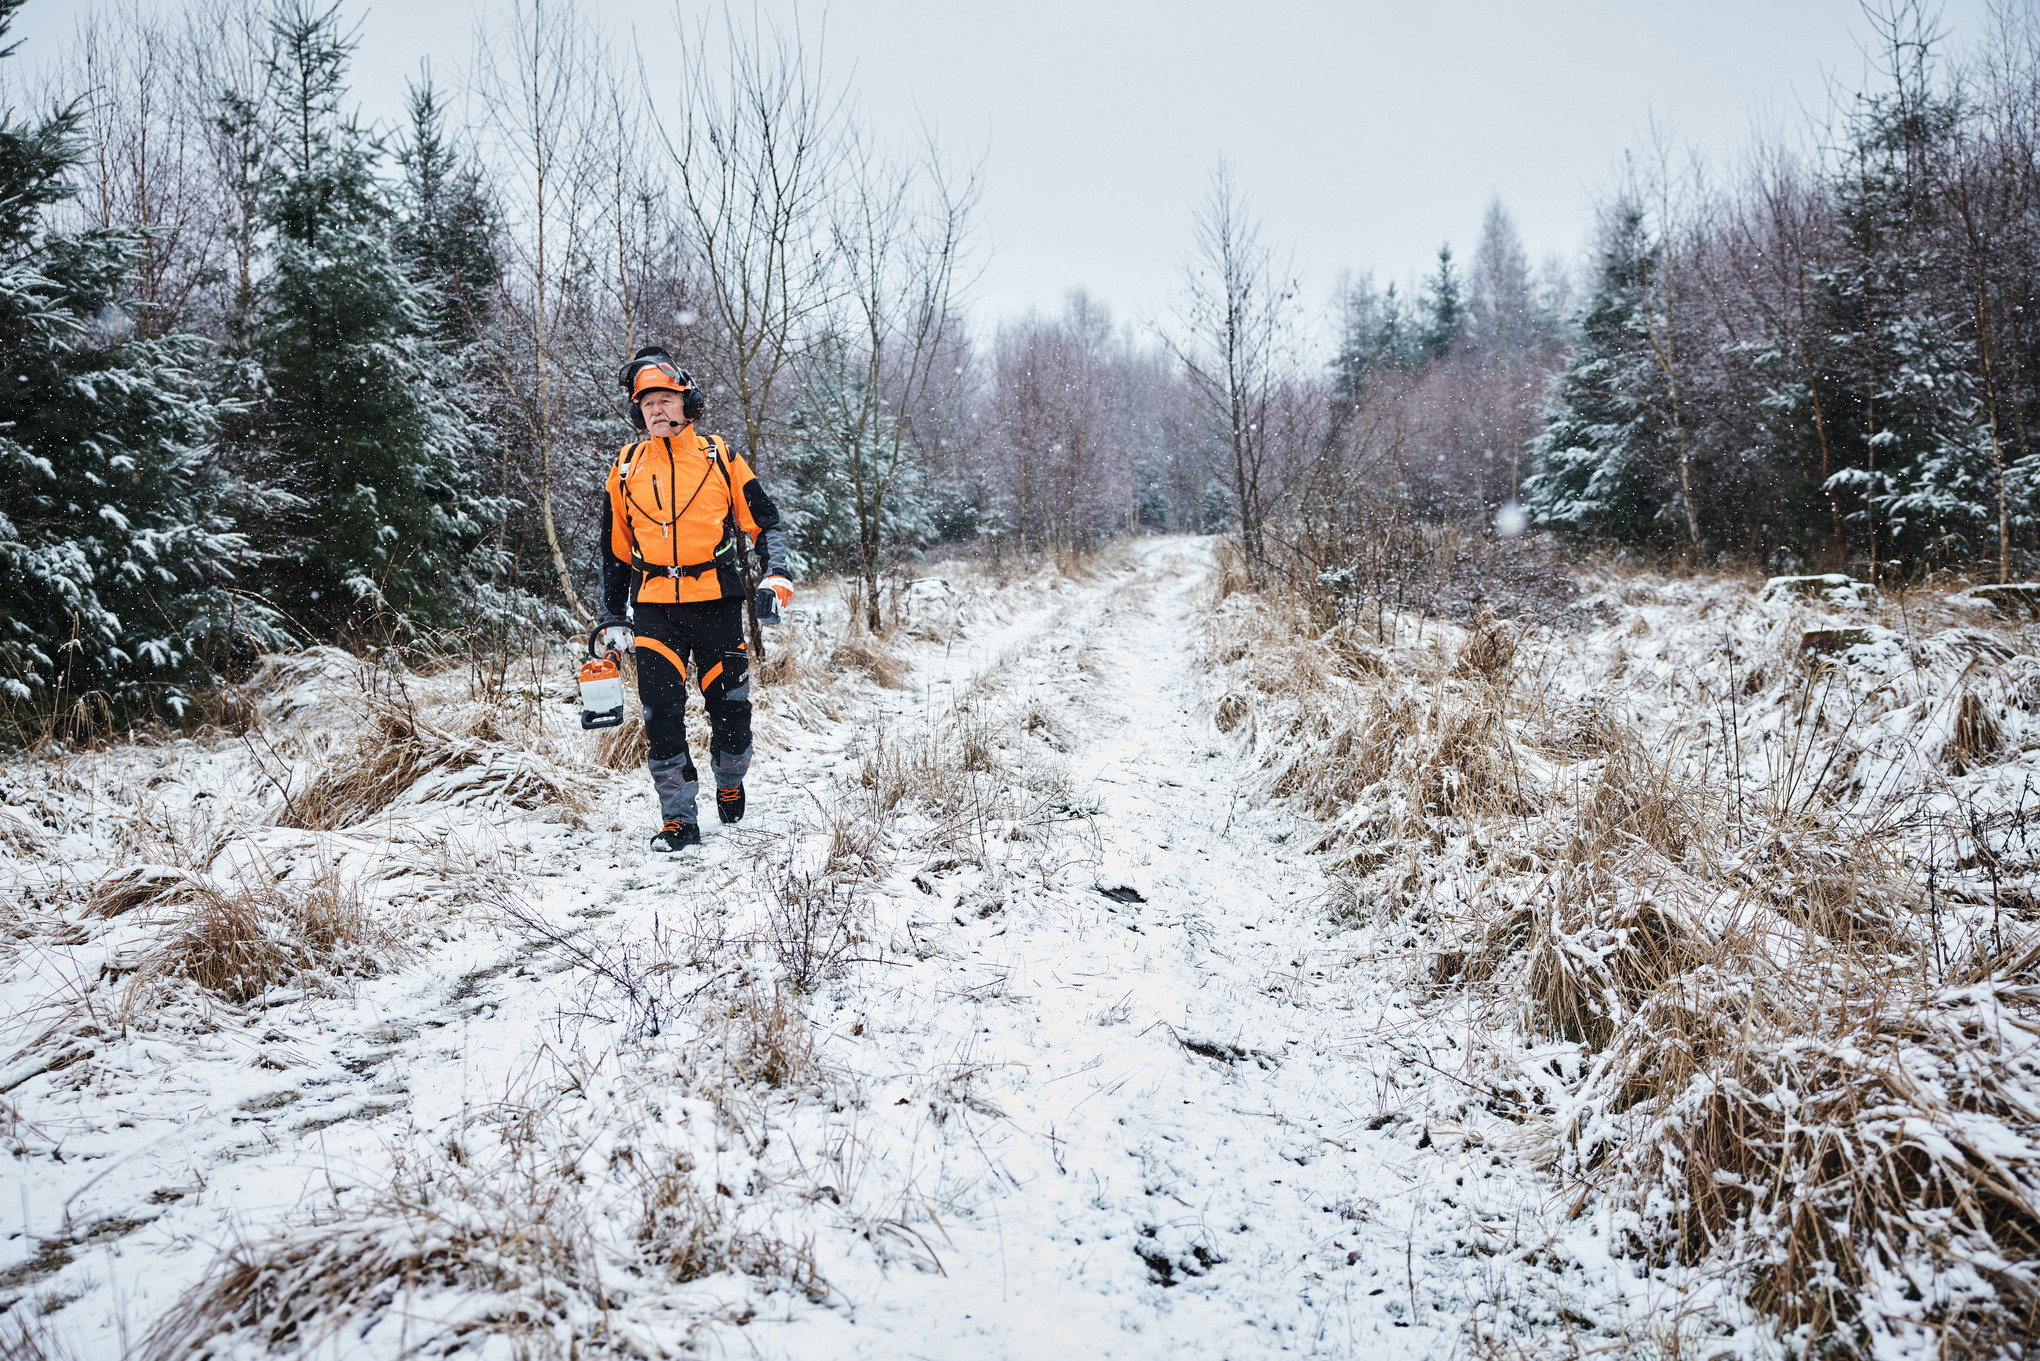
1107,967
1081,1067
1192,1114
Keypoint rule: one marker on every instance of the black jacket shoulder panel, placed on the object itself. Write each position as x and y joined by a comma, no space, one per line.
762,510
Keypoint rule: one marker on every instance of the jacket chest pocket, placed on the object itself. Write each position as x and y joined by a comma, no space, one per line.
681,506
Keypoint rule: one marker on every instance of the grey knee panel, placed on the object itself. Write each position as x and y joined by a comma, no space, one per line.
730,768
678,784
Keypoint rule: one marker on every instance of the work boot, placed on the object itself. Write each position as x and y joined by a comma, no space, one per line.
729,804
676,835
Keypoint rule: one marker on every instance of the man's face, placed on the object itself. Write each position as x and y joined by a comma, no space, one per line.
662,411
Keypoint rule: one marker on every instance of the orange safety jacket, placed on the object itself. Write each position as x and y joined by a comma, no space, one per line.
676,504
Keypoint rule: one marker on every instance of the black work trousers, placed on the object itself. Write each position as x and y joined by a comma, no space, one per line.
704,640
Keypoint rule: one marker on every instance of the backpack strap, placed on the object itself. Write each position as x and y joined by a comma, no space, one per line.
731,538
623,458
722,461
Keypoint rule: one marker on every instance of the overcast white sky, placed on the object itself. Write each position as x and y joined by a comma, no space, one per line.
1366,131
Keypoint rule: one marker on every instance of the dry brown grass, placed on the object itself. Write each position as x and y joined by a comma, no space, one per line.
955,773
856,835
134,886
496,1232
686,1234
627,746
1976,738
481,761
1489,649
1787,1078
797,678
767,1040
870,655
812,918
24,1337
1408,760
237,940
20,832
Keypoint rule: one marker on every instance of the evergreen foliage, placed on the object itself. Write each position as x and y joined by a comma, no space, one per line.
1852,348
1600,457
446,227
1444,311
1398,335
1503,320
1378,332
379,516
1905,422
116,553
817,467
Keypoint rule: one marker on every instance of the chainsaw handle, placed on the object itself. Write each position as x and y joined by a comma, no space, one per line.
595,648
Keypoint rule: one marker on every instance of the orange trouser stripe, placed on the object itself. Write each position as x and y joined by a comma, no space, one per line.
708,677
668,653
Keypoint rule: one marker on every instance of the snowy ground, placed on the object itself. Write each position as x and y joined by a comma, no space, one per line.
1085,1066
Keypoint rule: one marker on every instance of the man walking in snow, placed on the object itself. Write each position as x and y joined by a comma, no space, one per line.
672,588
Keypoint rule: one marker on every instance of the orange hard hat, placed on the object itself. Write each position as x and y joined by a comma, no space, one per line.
659,373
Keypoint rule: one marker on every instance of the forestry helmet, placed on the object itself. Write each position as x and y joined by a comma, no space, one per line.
650,368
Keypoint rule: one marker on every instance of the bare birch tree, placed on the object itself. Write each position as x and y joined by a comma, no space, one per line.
1661,308
535,83
147,167
1237,320
1986,197
753,132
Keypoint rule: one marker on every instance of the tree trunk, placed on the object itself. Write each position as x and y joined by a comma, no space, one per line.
1820,432
1997,452
552,541
1665,358
867,553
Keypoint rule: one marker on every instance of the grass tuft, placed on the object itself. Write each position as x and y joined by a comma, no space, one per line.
402,752
237,940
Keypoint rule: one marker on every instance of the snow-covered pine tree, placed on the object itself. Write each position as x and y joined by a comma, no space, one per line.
446,228
1215,508
1502,324
116,559
447,239
1359,305
1444,310
812,489
1600,463
1398,336
356,419
1905,411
